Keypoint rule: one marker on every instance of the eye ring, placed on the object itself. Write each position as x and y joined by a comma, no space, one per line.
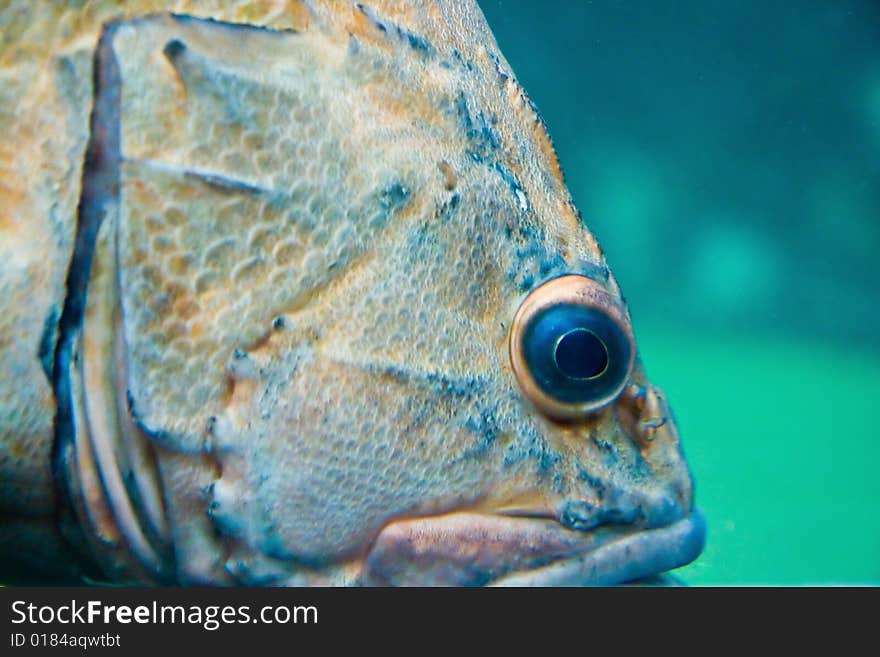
571,347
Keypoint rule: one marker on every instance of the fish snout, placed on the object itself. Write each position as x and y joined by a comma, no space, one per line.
644,415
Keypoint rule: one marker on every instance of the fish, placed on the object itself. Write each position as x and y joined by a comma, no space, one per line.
294,293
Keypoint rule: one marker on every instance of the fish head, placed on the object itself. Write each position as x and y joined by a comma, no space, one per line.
465,404
363,328
469,408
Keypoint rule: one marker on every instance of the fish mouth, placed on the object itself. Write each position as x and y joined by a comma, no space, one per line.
471,549
635,556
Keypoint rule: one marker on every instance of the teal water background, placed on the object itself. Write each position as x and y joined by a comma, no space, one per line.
726,154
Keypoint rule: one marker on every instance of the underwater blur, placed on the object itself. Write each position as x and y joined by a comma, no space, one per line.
727,157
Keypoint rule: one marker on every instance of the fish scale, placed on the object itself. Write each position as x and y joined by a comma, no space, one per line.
273,262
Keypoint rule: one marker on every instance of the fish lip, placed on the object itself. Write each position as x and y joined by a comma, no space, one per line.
474,548
636,555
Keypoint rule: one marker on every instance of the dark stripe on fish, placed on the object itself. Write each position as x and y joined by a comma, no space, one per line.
418,43
223,24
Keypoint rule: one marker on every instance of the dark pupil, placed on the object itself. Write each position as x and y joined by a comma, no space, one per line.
575,354
580,354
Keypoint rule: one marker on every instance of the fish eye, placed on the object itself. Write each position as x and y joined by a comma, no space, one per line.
571,347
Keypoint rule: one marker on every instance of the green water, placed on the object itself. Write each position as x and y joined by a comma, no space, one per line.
727,156
781,438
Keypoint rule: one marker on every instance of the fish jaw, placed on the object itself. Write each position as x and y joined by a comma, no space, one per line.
476,549
605,534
